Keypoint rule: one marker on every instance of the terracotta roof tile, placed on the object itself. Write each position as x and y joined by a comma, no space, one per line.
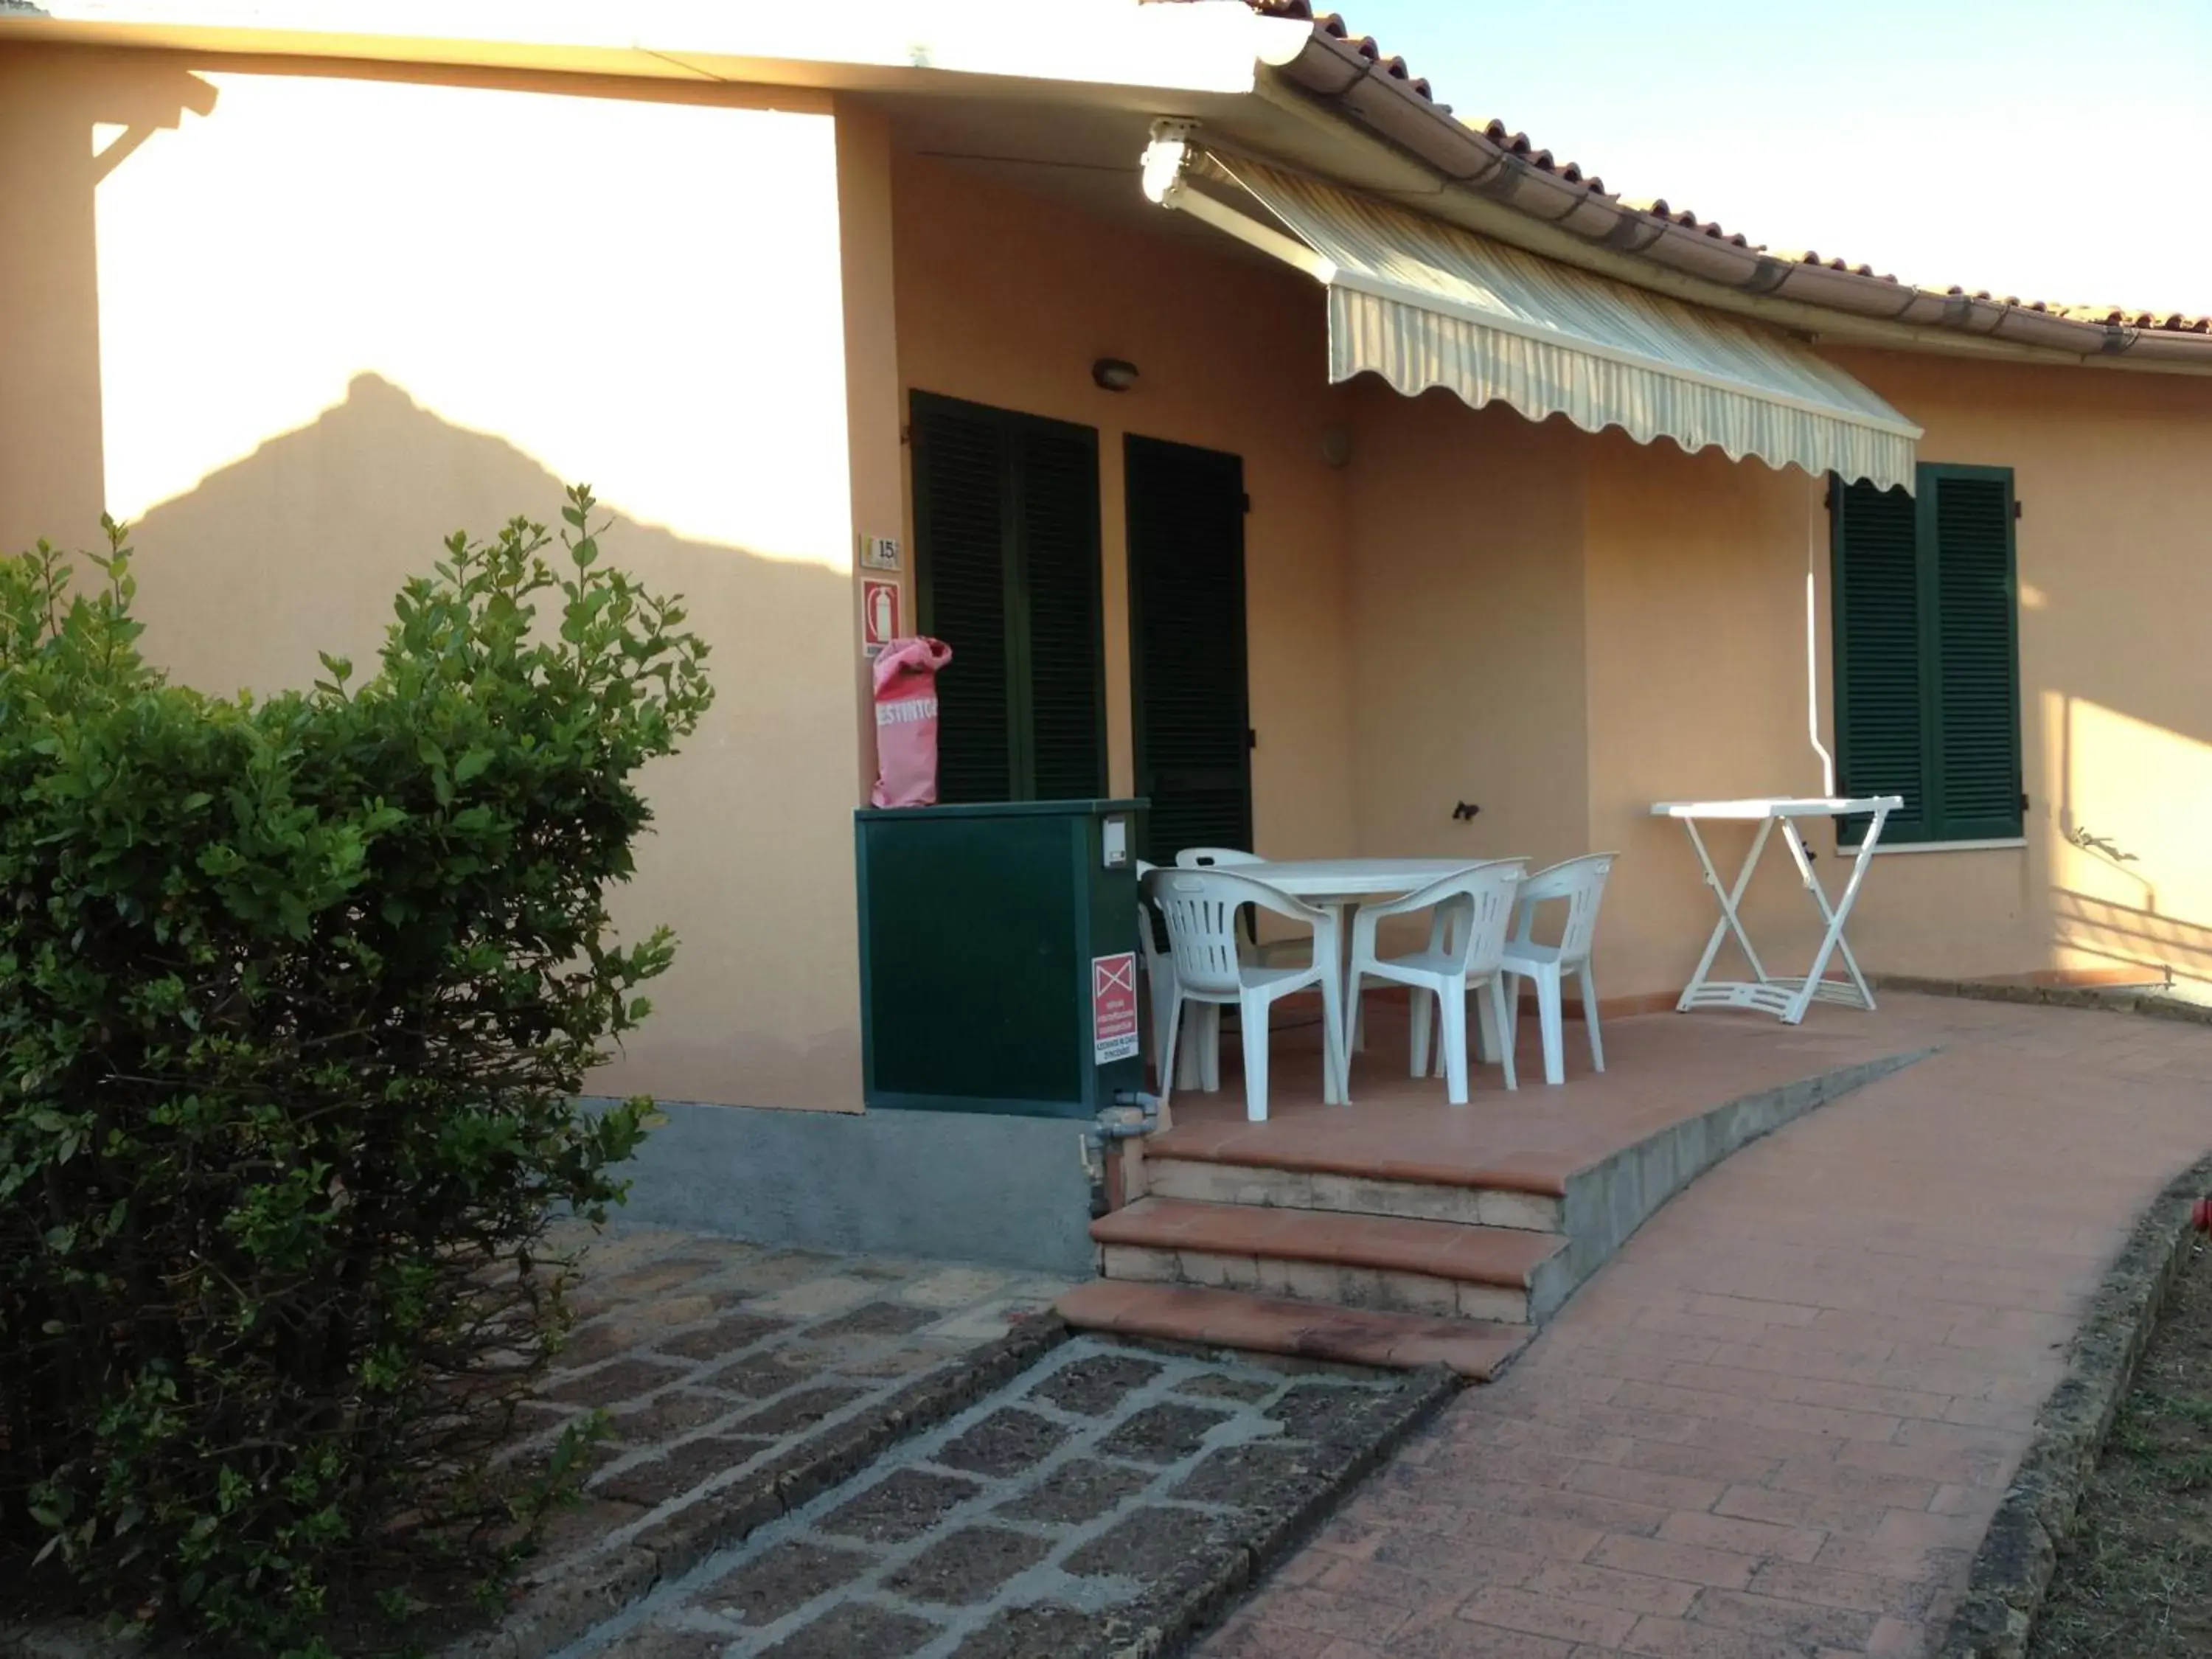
1521,145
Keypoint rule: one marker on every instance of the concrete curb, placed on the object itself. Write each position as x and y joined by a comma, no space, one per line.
2110,999
2012,1571
1169,1620
549,1615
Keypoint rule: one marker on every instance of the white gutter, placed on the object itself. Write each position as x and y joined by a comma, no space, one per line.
1813,541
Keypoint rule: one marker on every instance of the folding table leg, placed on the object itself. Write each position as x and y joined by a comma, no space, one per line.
1836,915
1728,898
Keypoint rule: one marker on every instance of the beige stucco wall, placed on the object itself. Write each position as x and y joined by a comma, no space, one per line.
301,335
2115,554
1006,298
1468,630
1697,641
1696,574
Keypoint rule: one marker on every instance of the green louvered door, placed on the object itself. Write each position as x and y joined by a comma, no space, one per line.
1006,572
1186,518
1927,655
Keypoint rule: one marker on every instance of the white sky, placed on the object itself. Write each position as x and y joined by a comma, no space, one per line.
2053,152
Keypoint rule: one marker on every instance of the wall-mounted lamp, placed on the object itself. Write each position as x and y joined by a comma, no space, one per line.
1112,374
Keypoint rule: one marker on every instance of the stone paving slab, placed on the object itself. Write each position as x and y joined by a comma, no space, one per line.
740,1382
737,1381
1107,1501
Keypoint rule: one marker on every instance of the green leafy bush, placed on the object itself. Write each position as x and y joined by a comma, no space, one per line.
295,996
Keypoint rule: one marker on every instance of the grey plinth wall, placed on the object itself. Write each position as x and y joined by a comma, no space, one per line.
969,1187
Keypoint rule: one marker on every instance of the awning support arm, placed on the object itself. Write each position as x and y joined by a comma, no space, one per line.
1166,161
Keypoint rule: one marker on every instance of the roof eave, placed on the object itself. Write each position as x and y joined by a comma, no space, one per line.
1165,51
1486,186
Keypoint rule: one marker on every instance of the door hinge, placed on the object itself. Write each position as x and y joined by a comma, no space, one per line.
1251,738
2023,800
2016,508
1244,503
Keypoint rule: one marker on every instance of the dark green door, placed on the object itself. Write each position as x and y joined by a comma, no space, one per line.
1186,516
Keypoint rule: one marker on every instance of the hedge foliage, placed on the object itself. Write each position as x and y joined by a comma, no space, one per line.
296,995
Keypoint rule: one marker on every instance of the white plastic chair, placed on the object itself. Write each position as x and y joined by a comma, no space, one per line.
1472,910
1581,882
1158,969
1228,858
1269,952
1200,906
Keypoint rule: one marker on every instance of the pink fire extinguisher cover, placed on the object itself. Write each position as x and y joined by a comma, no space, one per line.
906,721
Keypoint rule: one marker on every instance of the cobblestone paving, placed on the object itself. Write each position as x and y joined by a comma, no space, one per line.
720,1364
1058,1518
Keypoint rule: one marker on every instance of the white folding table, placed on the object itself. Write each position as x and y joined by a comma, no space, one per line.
1787,997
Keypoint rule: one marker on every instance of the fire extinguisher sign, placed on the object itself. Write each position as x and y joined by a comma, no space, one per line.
879,613
1114,1007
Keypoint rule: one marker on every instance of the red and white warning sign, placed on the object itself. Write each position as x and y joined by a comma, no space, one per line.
1114,1007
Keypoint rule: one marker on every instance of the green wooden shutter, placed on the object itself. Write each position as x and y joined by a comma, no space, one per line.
1056,473
1006,573
1882,713
1186,517
1978,678
962,534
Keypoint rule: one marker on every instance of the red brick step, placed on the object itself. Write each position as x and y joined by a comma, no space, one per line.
1443,1269
1228,1319
1442,1250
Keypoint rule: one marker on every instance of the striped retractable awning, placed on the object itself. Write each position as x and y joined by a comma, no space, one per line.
1423,304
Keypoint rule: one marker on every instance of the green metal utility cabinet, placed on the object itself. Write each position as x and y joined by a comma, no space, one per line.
998,947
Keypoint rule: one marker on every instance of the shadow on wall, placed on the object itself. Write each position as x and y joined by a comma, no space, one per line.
2130,937
300,548
66,123
2130,887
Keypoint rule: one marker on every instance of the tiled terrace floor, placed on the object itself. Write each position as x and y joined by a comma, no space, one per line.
1660,1069
1776,1424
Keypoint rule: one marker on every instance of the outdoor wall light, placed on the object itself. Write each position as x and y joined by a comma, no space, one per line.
1112,374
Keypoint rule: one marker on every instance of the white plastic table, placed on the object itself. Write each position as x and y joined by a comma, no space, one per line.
1787,998
1337,885
1335,881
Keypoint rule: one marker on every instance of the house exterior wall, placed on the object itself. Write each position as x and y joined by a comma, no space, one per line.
300,326
1564,628
1468,630
1696,689
2114,545
300,336
1696,573
1007,299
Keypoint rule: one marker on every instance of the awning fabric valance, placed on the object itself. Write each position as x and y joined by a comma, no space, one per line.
1426,304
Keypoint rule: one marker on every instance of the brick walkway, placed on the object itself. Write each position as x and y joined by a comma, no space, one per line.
1777,1424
